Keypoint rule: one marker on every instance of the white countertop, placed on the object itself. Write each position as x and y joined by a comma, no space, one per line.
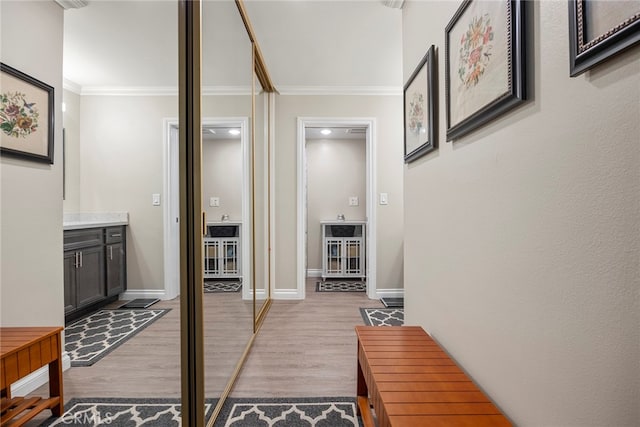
79,220
340,221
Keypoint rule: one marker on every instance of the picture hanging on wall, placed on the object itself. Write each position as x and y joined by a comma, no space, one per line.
26,116
420,108
485,63
600,29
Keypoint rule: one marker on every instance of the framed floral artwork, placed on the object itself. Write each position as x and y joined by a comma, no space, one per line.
599,30
485,63
26,116
420,108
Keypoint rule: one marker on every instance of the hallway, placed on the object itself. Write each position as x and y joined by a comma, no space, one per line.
306,348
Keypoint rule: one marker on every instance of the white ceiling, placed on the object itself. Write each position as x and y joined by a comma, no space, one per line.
305,43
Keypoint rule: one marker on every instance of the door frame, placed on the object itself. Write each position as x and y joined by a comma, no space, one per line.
172,201
370,244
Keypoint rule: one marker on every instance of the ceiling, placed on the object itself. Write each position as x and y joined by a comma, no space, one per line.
307,44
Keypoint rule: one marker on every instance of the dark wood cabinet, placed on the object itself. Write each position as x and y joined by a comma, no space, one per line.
116,260
70,260
90,276
94,269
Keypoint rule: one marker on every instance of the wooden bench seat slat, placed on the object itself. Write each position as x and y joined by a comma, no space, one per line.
402,348
435,354
427,386
412,362
420,377
449,421
415,369
433,396
472,408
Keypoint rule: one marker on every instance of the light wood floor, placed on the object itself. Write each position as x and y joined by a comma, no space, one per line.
304,348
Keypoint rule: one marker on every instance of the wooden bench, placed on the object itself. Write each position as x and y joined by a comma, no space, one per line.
410,381
23,351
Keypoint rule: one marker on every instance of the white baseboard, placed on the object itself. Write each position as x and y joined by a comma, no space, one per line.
314,272
130,294
31,382
286,294
390,293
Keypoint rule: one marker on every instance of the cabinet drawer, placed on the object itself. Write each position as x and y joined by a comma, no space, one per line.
74,239
114,234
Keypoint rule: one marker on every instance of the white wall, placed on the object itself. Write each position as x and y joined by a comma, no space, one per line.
222,178
387,110
121,166
336,170
522,246
71,123
31,274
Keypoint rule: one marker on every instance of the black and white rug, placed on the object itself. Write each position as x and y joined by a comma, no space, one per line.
383,316
289,412
222,286
93,337
341,286
96,412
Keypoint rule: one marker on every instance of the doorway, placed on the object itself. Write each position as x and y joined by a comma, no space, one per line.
172,201
367,127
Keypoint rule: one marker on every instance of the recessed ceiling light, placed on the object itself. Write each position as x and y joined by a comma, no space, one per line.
325,131
234,131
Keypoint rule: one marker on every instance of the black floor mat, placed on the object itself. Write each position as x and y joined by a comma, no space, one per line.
141,303
392,302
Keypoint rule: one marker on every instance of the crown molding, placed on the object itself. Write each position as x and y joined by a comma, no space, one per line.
71,86
152,90
341,90
231,90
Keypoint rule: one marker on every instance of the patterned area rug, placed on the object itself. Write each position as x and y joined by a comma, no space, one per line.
222,286
285,412
383,316
93,337
123,412
341,286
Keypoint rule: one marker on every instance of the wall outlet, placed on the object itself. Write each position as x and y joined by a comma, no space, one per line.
384,199
214,201
353,201
155,199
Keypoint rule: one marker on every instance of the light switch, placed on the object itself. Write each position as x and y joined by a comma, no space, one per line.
353,201
384,199
155,199
214,201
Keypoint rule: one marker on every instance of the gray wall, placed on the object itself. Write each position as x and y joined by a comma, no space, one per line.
522,243
121,166
222,178
336,170
387,110
31,274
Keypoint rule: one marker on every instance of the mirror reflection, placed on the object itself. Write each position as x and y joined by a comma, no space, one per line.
261,199
121,165
226,117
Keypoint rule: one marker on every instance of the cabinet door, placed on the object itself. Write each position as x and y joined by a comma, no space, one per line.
353,257
334,258
69,281
115,268
90,276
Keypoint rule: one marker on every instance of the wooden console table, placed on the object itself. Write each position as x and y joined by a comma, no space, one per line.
23,351
412,382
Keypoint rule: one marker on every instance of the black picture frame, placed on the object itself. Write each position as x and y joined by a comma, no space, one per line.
585,50
495,100
26,116
420,99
